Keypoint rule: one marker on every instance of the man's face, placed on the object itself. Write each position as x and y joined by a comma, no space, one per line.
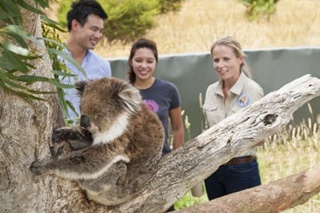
90,34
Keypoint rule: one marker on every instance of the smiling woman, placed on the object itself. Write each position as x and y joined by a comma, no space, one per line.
234,91
162,97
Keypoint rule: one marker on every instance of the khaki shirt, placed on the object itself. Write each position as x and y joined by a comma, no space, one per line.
243,93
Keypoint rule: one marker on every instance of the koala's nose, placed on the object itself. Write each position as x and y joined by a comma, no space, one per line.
84,121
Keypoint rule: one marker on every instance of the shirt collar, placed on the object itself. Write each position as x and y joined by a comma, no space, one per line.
236,88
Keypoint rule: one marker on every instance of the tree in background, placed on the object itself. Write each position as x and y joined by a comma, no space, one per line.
257,9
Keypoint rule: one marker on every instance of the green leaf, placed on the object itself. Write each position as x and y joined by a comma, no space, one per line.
19,32
26,6
62,73
42,3
15,49
67,57
11,8
30,79
60,85
4,15
51,23
13,84
19,93
12,62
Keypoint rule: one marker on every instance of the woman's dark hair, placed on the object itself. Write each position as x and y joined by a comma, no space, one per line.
140,43
81,9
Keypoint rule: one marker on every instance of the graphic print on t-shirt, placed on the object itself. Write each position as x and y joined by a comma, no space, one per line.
152,105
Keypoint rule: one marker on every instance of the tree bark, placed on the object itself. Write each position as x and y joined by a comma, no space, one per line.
270,198
25,131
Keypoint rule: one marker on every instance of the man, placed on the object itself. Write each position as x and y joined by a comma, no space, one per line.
85,25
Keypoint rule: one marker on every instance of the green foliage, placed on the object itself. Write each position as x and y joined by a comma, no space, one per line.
127,19
188,200
64,7
170,5
260,8
16,60
53,42
15,57
10,10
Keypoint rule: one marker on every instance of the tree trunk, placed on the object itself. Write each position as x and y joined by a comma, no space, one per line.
270,198
25,133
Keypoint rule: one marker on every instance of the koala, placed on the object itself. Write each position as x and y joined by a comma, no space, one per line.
116,148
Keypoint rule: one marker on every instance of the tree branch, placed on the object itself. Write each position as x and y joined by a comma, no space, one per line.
180,170
273,197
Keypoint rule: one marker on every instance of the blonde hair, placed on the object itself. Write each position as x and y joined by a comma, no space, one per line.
235,45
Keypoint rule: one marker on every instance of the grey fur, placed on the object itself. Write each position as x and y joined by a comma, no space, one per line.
117,148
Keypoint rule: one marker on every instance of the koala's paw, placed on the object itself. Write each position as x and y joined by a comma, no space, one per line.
78,138
66,133
37,167
56,151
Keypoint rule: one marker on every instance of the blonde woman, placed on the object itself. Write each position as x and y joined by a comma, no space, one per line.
234,90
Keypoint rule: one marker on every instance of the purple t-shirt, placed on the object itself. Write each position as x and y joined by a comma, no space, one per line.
161,97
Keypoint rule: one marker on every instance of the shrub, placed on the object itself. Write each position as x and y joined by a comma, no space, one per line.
260,8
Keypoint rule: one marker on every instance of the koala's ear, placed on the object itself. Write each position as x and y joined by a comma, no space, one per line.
131,97
80,85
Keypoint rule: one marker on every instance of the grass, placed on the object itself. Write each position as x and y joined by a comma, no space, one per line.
282,155
200,22
290,151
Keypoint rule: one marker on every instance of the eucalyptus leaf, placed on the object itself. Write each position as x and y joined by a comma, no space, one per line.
13,62
30,79
19,93
51,23
4,15
58,84
15,49
11,8
13,84
68,58
26,6
62,73
18,31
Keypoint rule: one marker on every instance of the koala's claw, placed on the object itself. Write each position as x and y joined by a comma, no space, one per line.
62,134
56,151
36,168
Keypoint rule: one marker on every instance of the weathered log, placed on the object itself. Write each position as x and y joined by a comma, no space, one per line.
270,198
201,156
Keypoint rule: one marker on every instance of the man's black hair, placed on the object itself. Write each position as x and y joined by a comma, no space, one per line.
81,9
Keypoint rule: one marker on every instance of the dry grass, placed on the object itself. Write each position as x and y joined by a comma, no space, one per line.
278,161
200,22
282,155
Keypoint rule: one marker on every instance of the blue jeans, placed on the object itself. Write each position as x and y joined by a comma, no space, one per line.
232,178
